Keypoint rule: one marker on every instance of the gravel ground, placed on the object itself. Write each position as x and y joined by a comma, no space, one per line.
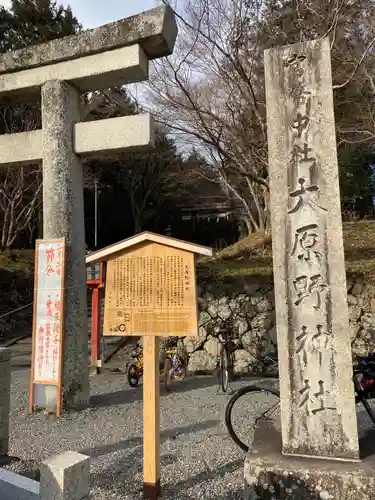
198,459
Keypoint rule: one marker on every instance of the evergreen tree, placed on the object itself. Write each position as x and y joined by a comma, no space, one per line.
357,180
25,23
29,22
351,32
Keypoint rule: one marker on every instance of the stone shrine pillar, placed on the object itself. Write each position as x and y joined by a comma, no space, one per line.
315,364
318,414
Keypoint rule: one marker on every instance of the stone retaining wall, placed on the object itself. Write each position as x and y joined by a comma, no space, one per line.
249,306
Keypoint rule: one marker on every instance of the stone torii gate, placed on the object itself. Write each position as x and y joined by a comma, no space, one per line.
59,71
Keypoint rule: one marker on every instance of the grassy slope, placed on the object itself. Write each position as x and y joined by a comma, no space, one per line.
252,256
16,279
22,262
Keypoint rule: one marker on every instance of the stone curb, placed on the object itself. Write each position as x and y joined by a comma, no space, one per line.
15,340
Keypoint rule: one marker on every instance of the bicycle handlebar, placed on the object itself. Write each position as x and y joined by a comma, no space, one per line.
369,359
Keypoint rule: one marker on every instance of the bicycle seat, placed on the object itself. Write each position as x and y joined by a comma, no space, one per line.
171,351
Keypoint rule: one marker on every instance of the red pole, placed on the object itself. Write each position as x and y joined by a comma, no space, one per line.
95,330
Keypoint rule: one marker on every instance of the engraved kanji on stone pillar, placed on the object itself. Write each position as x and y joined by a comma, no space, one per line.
317,395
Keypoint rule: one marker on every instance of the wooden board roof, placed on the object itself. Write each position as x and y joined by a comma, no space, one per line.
106,253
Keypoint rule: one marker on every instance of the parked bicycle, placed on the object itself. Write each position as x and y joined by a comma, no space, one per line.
364,386
364,382
225,357
135,369
174,367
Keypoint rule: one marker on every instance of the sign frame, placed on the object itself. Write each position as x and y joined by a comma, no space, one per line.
34,383
183,283
151,376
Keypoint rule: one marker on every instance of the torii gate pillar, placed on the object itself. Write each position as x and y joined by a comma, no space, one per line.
60,71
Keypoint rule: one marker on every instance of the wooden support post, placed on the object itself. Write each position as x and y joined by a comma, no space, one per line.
172,311
95,330
151,418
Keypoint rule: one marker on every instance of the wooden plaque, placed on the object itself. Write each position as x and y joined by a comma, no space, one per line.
46,363
151,290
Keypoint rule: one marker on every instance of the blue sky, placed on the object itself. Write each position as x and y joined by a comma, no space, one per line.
92,13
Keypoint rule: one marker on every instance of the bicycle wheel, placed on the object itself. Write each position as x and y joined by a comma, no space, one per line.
180,372
247,408
224,369
367,407
133,375
361,397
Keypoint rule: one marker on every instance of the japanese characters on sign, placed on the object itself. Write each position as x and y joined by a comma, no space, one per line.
49,286
151,291
307,254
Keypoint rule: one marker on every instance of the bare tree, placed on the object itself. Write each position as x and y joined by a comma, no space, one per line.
143,177
20,186
205,96
191,183
20,189
211,92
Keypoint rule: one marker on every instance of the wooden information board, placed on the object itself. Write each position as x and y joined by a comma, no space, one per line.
46,362
151,290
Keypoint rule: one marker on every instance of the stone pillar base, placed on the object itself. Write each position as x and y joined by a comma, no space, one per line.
269,475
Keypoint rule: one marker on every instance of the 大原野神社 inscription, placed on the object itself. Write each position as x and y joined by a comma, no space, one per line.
305,243
317,339
309,270
307,259
313,402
